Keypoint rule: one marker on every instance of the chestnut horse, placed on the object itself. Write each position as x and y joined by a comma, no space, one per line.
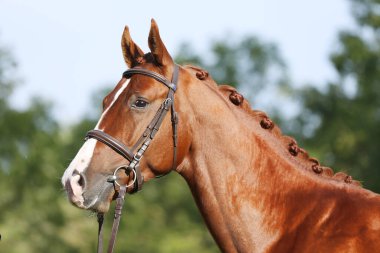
256,189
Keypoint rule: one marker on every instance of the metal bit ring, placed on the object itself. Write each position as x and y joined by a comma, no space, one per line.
126,169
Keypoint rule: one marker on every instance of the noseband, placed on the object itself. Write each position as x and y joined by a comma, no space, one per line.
134,154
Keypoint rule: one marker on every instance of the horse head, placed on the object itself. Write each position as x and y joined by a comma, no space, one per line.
132,113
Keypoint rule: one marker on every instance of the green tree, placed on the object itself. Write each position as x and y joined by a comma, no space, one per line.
251,64
29,179
341,123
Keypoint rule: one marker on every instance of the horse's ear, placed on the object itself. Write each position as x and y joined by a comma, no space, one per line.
131,52
157,47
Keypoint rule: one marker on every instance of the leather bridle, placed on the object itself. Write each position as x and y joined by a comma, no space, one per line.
134,154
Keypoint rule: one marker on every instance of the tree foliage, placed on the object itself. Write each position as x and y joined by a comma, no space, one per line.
342,122
29,185
252,64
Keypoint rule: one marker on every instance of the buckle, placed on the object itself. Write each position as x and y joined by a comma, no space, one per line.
137,157
167,102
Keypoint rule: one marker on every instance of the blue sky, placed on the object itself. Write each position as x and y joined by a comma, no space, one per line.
66,50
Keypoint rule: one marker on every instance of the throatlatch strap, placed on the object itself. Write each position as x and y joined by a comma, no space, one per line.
174,118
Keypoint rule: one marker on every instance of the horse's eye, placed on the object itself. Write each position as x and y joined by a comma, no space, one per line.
139,103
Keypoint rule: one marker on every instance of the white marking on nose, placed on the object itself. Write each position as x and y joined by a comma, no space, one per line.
80,161
76,190
122,88
83,158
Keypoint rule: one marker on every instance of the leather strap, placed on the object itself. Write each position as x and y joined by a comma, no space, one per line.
155,124
117,216
111,142
174,119
116,221
100,232
137,70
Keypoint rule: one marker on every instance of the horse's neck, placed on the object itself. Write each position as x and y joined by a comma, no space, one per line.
257,195
236,179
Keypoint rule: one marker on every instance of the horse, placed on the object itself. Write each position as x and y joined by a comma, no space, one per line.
256,189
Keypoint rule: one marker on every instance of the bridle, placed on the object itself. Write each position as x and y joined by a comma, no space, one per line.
134,154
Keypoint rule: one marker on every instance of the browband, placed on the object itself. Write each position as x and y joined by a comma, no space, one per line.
136,70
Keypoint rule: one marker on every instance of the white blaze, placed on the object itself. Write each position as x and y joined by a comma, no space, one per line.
122,88
81,160
84,155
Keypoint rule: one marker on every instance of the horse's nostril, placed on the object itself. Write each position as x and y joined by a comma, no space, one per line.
79,178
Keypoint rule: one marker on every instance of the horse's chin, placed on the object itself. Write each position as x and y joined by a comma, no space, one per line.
101,202
101,207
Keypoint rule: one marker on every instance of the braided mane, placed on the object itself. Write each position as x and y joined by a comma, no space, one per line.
289,143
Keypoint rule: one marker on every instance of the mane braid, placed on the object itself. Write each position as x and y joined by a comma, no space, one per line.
301,156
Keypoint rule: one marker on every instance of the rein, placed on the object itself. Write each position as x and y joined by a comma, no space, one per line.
135,154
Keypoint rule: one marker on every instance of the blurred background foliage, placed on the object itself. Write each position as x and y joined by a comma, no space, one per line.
338,122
